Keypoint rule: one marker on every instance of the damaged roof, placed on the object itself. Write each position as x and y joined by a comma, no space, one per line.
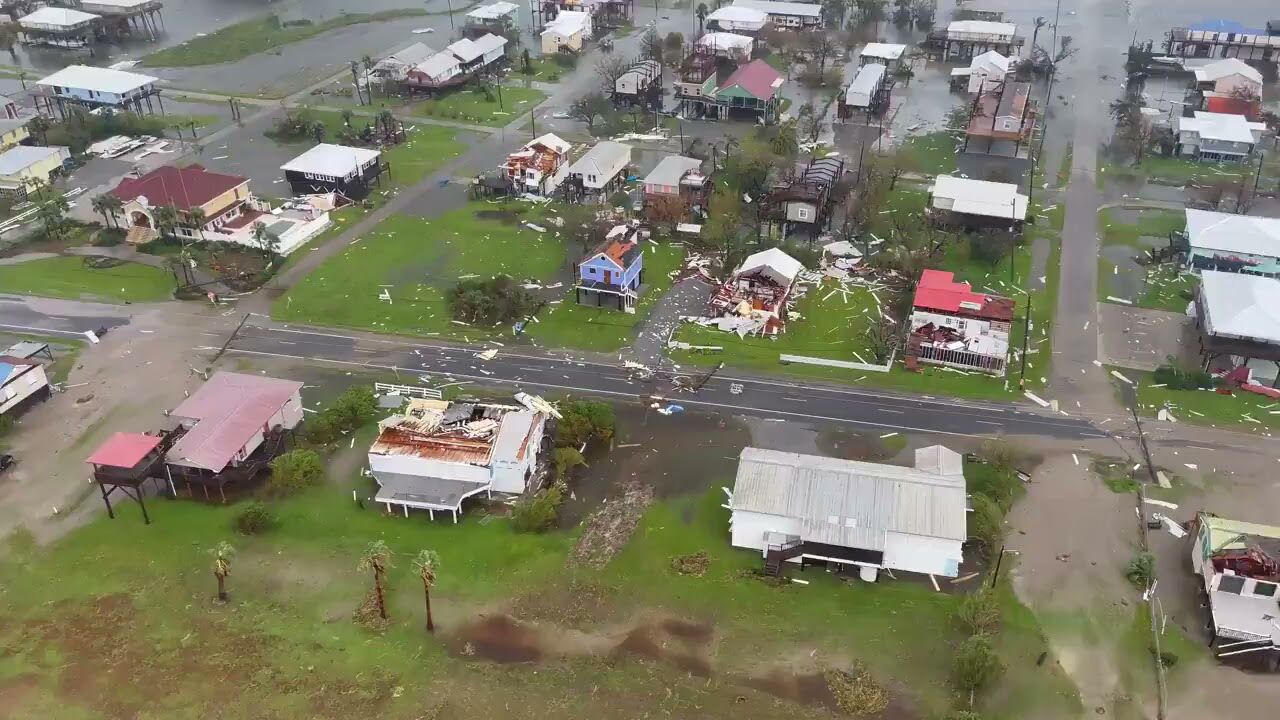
937,290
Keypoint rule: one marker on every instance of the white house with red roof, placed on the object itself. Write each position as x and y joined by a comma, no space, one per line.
954,326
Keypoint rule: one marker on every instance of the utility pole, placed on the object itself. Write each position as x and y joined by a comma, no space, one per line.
1026,336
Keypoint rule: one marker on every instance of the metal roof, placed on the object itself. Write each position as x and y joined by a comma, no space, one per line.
738,15
124,450
606,159
410,55
493,11
105,80
568,22
773,7
981,27
1225,232
1221,126
979,197
1230,66
671,169
1240,305
56,17
884,51
774,263
229,410
851,503
20,157
336,161
424,492
867,80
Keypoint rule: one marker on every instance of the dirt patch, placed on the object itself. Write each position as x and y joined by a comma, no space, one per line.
15,691
508,216
686,630
804,688
610,527
859,446
648,642
576,605
694,564
500,639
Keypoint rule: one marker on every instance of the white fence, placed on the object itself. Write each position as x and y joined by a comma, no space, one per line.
867,367
407,390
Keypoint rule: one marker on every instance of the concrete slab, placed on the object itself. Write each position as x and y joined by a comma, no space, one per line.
1142,339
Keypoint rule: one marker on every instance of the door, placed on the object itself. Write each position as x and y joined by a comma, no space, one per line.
608,277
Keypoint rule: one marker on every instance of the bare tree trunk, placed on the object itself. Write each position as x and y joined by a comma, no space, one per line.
426,593
222,586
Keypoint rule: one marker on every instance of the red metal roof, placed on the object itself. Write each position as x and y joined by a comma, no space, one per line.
184,188
938,291
756,77
229,410
124,450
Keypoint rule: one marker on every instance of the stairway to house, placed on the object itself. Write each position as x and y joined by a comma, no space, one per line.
138,235
775,555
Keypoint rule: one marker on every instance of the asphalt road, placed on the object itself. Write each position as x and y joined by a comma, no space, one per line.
769,397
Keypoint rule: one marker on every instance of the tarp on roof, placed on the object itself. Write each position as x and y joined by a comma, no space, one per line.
124,450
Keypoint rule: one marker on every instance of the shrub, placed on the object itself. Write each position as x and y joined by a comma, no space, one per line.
354,408
320,429
975,664
564,460
490,302
255,518
986,524
584,421
1175,378
1141,570
294,472
979,613
538,513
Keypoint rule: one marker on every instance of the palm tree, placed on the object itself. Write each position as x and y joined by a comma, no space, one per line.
388,121
368,63
52,213
701,13
166,219
427,563
100,205
346,118
377,557
266,240
222,553
196,217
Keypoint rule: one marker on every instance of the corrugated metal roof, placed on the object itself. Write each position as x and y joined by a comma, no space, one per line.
229,409
850,503
124,450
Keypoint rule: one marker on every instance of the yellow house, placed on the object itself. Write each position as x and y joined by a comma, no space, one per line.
23,167
13,123
567,31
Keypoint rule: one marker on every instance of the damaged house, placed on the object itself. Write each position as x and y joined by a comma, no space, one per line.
804,204
754,299
435,454
639,86
540,166
1239,564
953,326
1002,121
1238,316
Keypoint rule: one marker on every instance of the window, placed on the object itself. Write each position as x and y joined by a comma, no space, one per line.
803,213
1231,584
1264,589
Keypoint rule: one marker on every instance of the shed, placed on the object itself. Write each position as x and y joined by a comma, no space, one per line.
811,509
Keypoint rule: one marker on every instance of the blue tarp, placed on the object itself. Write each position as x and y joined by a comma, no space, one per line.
1225,26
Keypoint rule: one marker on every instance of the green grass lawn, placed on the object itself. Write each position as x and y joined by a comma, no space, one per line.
543,68
419,261
1206,407
1181,171
428,147
1168,287
474,106
84,615
249,37
931,154
1151,223
905,202
69,277
570,325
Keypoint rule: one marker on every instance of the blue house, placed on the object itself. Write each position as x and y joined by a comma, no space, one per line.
611,274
